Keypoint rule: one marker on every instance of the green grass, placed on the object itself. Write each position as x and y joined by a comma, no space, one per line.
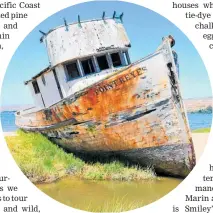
116,171
203,130
115,205
39,159
42,161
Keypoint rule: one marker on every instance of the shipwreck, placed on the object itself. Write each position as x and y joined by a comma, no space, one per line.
93,99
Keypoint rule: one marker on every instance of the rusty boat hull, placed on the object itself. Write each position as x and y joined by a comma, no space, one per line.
136,112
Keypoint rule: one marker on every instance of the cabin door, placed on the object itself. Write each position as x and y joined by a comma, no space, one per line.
58,85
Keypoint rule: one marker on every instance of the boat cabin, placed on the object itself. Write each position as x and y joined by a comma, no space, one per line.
80,54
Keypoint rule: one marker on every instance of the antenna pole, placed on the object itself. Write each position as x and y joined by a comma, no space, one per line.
79,21
66,26
114,14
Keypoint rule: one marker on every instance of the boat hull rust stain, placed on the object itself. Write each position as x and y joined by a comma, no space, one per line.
134,113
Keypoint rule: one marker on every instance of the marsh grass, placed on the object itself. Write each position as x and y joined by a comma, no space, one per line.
203,130
116,171
42,161
117,204
39,159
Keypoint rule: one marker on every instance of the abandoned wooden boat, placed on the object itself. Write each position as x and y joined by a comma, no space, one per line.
92,99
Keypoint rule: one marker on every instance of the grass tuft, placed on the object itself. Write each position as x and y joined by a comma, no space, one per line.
42,161
115,205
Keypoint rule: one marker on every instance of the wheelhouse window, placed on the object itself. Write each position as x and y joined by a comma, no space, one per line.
36,87
72,71
88,66
126,58
116,60
102,62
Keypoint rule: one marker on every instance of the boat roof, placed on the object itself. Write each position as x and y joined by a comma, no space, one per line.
47,69
120,17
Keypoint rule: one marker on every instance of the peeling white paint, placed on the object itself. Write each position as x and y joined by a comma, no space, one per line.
49,91
90,39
